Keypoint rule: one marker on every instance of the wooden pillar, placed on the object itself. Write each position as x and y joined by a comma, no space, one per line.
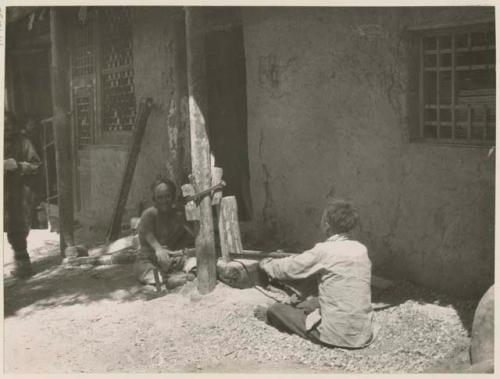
9,84
59,72
200,148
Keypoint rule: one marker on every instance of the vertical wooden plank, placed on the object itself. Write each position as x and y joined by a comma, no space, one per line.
73,129
469,121
469,108
438,84
216,200
224,248
200,148
453,88
191,209
485,129
73,123
97,76
133,156
421,88
59,70
45,124
216,179
180,69
10,84
229,228
235,228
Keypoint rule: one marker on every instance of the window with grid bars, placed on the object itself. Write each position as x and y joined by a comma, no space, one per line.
83,64
457,85
102,74
117,74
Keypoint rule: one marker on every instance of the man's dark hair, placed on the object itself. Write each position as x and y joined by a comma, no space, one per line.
170,184
341,216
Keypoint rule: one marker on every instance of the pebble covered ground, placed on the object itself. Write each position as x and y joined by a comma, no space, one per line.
85,319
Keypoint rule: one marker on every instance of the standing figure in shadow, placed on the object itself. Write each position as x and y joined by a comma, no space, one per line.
20,166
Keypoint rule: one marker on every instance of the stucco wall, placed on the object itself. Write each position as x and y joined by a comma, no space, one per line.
328,117
158,73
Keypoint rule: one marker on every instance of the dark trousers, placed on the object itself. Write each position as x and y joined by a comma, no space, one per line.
18,242
292,319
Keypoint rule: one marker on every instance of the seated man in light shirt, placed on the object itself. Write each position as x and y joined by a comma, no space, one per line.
342,316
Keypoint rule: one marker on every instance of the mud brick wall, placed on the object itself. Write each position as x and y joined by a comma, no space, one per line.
159,72
329,116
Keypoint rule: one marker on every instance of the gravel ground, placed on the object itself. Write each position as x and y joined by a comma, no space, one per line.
99,320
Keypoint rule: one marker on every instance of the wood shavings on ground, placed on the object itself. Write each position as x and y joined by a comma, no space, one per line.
67,320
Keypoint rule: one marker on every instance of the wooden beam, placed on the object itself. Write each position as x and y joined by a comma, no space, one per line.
200,147
421,83
121,201
59,71
438,90
453,86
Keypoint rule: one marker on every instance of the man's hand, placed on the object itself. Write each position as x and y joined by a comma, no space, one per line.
263,263
309,305
164,260
9,164
176,253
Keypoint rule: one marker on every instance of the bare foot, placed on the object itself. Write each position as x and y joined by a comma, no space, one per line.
260,312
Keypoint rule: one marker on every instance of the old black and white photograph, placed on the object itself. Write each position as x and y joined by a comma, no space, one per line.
249,189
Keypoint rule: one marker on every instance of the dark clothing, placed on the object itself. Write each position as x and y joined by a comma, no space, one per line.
18,242
292,319
18,195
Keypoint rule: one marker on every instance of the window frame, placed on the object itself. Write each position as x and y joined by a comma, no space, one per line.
93,84
418,35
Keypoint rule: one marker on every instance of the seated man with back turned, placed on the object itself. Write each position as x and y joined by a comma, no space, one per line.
343,316
163,232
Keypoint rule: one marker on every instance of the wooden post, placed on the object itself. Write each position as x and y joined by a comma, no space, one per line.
59,72
229,229
200,148
216,199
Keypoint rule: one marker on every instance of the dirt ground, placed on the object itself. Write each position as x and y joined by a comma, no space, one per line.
98,319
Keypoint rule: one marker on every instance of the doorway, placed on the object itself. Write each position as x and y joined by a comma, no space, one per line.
227,103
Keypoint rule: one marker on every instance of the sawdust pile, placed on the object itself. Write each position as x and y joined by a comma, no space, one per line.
100,320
